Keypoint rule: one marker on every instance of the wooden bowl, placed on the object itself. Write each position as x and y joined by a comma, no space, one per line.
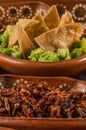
38,123
12,11
33,68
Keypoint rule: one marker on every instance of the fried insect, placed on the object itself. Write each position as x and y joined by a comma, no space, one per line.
38,99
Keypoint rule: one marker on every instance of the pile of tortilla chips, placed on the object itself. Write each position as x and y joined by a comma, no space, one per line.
49,32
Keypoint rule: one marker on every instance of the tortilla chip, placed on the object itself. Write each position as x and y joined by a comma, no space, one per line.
62,37
66,18
52,18
24,22
36,29
39,27
25,44
45,40
13,37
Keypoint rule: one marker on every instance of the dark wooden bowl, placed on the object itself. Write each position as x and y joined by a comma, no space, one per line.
38,123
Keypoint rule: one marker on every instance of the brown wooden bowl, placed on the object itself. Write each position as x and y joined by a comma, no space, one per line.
34,68
44,123
77,8
11,12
